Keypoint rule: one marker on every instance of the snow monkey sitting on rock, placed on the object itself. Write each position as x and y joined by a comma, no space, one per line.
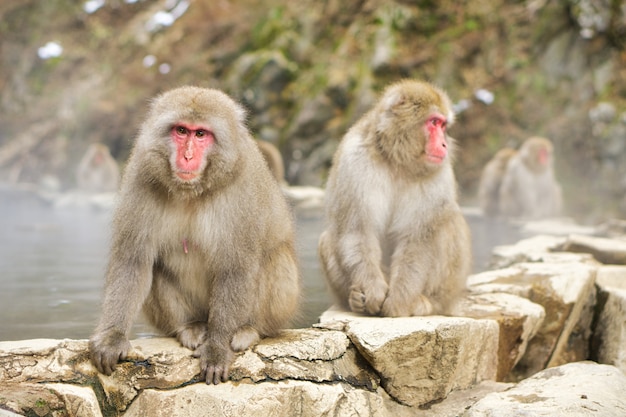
202,237
396,242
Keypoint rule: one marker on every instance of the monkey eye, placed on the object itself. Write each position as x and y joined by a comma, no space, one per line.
438,122
201,133
181,130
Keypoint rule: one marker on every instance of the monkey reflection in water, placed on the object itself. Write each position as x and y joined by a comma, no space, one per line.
202,237
396,242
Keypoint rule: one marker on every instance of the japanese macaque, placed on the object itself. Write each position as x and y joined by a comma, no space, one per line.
396,243
202,237
97,171
491,180
274,160
526,187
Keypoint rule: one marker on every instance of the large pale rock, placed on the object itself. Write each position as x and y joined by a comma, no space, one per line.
612,276
567,293
277,399
609,337
518,318
554,227
607,251
40,360
422,359
575,389
317,355
49,400
533,249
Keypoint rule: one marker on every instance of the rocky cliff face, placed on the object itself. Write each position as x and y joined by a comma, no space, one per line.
79,72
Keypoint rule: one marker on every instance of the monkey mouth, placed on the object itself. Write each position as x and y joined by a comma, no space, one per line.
435,159
186,175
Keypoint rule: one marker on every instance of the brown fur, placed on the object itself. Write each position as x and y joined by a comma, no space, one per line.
212,262
274,159
97,171
396,242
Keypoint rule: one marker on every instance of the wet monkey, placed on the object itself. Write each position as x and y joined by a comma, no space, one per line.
202,237
396,243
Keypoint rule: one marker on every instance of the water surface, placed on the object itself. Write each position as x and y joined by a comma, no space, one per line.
52,264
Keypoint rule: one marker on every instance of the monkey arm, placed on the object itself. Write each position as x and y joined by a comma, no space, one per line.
230,309
128,281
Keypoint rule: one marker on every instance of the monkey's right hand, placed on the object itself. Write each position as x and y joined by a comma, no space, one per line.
368,299
107,348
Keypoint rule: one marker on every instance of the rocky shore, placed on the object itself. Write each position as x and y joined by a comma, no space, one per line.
542,332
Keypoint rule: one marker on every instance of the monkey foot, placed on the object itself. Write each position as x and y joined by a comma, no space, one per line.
369,302
193,334
244,338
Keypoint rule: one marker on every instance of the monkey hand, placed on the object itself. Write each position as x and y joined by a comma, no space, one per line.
107,348
368,299
215,361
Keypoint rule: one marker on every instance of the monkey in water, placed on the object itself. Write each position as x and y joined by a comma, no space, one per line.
525,187
202,237
97,171
396,242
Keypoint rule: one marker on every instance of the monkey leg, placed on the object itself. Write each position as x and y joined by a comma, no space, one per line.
352,272
171,313
428,274
278,293
244,338
412,274
336,278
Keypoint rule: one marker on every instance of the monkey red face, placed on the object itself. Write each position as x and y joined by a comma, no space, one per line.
543,156
436,145
192,142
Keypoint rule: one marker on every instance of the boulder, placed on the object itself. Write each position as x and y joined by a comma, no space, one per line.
567,293
518,318
607,251
575,389
534,249
609,336
422,359
275,398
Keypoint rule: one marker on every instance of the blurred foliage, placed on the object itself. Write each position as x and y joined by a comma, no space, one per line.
307,70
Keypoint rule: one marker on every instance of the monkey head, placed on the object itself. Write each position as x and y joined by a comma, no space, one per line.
411,121
536,152
192,138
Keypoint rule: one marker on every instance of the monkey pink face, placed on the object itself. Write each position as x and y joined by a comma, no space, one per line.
436,145
192,142
543,156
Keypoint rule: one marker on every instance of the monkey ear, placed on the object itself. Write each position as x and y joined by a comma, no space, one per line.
240,113
393,98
